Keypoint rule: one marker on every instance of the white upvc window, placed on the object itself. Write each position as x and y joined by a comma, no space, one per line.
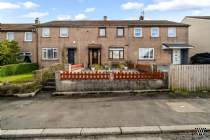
146,53
138,32
154,32
49,53
102,31
116,53
172,32
28,36
120,31
64,32
10,36
45,32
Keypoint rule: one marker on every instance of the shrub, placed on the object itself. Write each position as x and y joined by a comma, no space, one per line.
47,73
9,89
15,69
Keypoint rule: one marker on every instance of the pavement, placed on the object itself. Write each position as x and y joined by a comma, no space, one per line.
46,112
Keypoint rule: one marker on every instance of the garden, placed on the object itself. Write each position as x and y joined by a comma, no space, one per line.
16,75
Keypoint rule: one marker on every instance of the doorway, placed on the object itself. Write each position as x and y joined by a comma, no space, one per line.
71,56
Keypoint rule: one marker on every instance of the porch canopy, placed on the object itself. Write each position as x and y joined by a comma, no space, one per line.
166,46
94,46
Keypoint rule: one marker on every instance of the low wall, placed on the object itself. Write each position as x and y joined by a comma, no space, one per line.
106,85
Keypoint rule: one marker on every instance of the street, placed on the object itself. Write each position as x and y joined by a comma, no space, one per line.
129,111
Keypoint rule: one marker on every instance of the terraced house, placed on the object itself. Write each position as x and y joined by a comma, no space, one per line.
104,41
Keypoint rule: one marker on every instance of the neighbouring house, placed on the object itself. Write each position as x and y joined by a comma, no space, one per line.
25,35
199,33
89,42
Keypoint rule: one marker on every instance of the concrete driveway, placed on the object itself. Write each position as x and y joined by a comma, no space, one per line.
62,112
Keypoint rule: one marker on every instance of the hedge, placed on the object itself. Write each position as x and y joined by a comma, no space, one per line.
15,69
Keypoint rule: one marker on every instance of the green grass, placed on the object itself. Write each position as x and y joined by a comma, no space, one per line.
16,79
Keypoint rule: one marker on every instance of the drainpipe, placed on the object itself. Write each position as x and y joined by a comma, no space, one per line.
37,22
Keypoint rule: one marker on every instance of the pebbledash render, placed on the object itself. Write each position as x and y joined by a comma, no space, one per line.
104,41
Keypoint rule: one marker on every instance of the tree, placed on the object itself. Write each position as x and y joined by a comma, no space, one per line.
9,52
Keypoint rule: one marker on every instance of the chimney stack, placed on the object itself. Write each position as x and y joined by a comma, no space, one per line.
105,18
37,21
142,16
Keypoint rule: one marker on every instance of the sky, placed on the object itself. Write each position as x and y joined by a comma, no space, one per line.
25,11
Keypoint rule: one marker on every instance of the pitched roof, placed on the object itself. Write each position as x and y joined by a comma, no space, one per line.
93,23
16,27
199,17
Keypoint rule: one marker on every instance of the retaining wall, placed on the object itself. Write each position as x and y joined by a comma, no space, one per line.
106,85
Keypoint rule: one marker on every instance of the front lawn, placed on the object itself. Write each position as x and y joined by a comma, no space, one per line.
17,79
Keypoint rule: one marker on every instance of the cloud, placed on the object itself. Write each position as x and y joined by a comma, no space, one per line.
88,10
30,5
63,17
36,14
132,6
178,5
80,17
8,5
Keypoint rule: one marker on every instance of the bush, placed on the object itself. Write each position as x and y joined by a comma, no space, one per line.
9,89
15,69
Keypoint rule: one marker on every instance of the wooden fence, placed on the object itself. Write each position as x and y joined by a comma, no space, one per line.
111,76
189,77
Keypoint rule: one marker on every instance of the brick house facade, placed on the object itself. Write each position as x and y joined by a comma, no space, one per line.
106,42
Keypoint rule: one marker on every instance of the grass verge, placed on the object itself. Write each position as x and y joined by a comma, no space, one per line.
17,79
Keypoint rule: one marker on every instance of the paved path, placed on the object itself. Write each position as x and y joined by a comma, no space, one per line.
130,111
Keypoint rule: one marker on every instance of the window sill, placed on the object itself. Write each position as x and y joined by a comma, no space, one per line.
172,37
145,59
110,59
45,37
27,41
63,36
50,59
138,37
101,36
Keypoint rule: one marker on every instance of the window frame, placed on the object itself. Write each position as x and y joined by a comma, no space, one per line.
99,28
61,31
25,37
140,58
121,49
43,34
123,28
47,58
158,33
141,35
175,34
7,36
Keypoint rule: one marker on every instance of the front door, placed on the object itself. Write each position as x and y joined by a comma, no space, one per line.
71,53
176,56
94,56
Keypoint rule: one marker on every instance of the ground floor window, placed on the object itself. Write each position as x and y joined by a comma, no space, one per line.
26,57
49,53
116,53
146,53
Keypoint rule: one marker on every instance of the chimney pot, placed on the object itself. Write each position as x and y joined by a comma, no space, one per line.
105,18
37,21
141,17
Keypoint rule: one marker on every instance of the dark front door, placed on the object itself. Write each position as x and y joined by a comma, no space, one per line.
71,53
94,56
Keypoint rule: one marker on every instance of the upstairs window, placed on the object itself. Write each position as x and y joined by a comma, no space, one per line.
102,31
28,36
49,53
155,32
146,53
64,32
45,32
10,36
137,32
116,53
172,32
120,31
